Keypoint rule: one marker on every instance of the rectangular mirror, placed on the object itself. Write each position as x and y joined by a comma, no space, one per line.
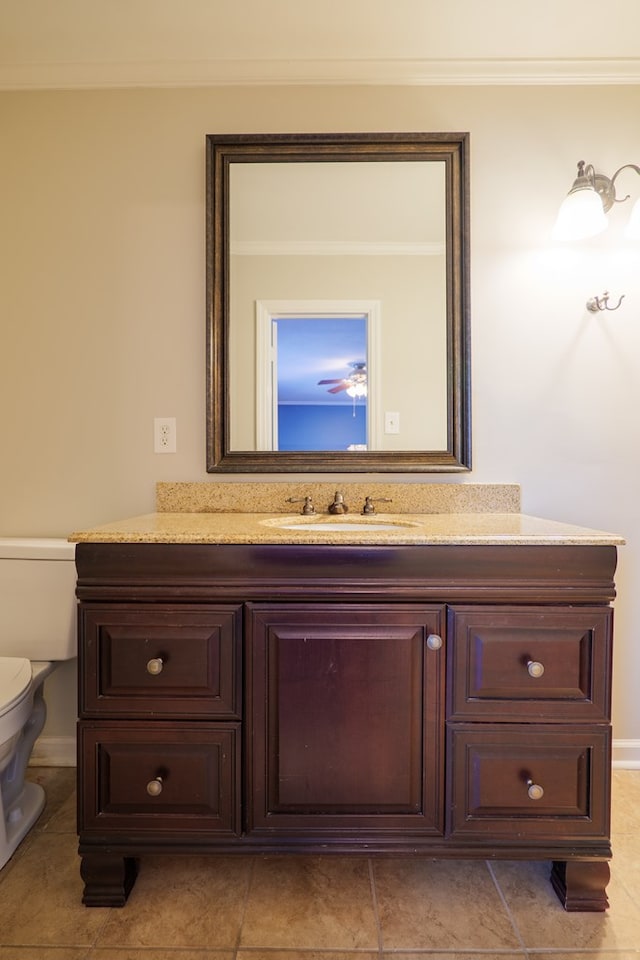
337,299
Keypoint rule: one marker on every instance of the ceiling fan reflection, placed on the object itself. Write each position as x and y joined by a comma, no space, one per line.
355,384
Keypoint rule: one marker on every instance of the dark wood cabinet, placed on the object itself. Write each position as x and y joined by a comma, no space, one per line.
447,701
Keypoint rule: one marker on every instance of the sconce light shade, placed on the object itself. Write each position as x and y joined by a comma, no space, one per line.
581,214
583,211
632,229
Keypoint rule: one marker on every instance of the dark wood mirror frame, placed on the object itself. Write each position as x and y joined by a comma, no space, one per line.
223,150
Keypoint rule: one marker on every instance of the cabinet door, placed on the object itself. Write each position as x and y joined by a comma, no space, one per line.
345,718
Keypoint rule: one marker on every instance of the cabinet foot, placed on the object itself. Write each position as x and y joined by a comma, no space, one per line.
108,879
581,884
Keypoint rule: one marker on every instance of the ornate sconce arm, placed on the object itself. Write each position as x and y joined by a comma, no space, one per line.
626,166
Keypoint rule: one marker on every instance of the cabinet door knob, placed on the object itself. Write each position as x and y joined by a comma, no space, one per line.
154,787
434,642
534,790
535,669
154,666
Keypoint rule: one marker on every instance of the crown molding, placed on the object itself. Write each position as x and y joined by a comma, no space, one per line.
198,73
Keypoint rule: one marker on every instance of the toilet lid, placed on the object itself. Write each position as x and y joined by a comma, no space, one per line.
15,678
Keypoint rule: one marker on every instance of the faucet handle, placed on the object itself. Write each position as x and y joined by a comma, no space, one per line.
369,506
308,510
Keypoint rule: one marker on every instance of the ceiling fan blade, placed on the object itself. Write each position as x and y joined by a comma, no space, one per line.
339,380
343,386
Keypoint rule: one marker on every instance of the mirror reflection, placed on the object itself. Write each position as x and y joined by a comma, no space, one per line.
337,283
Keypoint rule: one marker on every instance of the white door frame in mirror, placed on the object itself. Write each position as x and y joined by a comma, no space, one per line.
266,398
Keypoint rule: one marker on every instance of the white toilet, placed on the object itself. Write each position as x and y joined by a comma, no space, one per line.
37,628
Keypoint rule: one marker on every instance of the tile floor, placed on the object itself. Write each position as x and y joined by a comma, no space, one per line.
257,908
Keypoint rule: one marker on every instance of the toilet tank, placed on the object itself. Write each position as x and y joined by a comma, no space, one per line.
37,598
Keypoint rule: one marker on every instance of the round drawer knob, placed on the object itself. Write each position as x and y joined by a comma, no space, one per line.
154,666
535,669
434,642
154,787
534,790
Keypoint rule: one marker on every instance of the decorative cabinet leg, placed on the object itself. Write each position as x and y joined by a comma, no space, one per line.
581,884
108,879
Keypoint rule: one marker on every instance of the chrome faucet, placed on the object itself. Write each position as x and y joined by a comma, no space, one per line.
338,505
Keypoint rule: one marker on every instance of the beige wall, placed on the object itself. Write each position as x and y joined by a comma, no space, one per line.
102,302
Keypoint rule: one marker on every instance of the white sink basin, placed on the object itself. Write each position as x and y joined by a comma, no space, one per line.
337,524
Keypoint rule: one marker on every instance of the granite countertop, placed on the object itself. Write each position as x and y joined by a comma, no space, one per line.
409,528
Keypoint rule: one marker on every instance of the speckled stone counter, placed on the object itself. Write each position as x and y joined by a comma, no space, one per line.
444,528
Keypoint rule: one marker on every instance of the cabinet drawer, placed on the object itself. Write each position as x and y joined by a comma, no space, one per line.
159,777
528,782
514,663
161,660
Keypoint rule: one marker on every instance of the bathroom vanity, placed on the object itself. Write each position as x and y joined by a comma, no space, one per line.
440,688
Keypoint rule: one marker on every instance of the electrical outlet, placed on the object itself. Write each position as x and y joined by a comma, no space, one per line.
164,435
391,422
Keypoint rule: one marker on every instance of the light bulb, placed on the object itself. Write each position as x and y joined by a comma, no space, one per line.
357,390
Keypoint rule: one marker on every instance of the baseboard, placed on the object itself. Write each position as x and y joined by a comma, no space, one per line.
54,752
626,754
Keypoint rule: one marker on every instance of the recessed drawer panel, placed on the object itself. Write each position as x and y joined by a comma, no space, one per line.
529,782
514,663
160,776
161,660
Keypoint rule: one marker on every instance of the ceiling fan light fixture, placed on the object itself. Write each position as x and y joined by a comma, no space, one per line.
354,384
357,389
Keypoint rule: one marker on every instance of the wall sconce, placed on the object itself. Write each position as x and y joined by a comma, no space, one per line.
584,209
